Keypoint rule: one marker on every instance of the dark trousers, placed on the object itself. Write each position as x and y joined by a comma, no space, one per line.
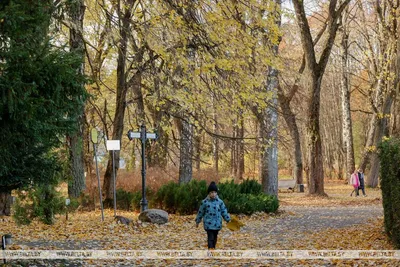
354,191
212,236
362,188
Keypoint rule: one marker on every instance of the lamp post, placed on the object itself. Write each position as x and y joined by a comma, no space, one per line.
143,135
143,202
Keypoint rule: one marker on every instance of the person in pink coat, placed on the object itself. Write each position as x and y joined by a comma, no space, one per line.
355,182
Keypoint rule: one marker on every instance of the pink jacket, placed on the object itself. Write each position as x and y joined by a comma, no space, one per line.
354,180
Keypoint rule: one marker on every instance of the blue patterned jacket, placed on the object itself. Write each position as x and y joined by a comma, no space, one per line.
212,210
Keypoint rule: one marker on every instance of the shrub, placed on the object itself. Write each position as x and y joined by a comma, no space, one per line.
389,155
250,187
21,213
249,203
189,196
137,197
124,199
42,202
228,191
183,198
74,204
47,202
165,197
245,198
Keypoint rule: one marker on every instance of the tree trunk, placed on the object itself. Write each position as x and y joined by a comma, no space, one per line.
346,113
118,123
381,129
372,127
197,149
78,183
234,150
76,147
215,140
316,164
270,185
263,141
290,120
135,86
5,203
316,71
267,120
159,149
340,164
186,152
240,148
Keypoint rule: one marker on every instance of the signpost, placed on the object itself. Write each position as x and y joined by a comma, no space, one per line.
114,145
143,136
94,140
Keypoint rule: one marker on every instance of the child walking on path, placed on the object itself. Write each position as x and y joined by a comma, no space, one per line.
362,181
355,181
211,210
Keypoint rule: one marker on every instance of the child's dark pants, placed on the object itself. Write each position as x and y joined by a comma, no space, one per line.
212,238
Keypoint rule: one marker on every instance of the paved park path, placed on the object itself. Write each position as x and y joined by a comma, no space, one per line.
307,220
311,219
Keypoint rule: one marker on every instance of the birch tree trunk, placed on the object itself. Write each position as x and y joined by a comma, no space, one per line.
345,98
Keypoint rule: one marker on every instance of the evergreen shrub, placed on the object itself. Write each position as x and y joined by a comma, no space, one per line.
124,199
389,155
136,197
42,202
181,198
245,198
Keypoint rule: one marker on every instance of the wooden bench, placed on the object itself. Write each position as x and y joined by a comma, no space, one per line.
289,185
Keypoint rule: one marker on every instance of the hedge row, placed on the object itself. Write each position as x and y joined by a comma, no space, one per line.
245,198
389,155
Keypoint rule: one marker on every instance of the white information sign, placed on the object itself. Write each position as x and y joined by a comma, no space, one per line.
151,136
113,145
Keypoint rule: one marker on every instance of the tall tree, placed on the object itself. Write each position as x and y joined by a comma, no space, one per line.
270,181
345,97
124,13
382,55
41,95
76,11
315,71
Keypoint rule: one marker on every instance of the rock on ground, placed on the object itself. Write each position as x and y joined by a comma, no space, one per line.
154,216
